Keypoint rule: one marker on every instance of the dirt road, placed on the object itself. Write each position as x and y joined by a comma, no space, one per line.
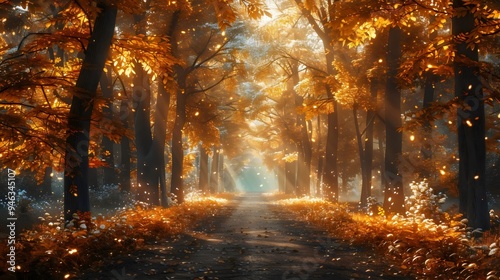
253,240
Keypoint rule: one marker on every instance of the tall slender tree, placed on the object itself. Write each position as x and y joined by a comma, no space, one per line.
320,17
394,195
471,119
76,189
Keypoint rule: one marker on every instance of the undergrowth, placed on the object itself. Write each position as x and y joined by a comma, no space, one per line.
427,243
50,251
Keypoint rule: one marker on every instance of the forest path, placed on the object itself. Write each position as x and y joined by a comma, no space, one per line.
252,240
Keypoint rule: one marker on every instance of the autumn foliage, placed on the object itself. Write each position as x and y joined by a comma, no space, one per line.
52,251
420,246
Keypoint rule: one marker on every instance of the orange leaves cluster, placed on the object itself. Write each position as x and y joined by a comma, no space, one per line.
226,13
152,52
32,120
52,251
422,247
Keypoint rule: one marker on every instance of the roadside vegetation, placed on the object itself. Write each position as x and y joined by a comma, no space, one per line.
55,252
426,242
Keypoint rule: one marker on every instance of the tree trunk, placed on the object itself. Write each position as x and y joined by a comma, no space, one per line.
161,116
394,196
344,186
76,189
362,158
159,138
203,172
222,186
46,186
214,175
125,155
177,181
430,79
330,174
148,159
93,178
303,143
381,152
290,170
366,186
107,144
471,126
321,160
147,166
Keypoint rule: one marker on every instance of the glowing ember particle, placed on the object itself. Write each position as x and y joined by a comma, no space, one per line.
412,137
469,123
442,172
476,177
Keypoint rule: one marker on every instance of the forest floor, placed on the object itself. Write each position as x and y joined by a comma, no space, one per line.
251,239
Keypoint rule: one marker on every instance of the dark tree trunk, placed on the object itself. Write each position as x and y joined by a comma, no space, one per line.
177,181
76,189
430,80
330,172
381,152
362,158
148,159
160,136
321,160
394,196
107,144
344,187
46,186
471,126
125,166
367,161
161,116
147,172
93,178
203,172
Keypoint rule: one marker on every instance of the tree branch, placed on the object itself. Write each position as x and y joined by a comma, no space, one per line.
314,24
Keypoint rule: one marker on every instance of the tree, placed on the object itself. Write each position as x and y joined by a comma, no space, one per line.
107,143
471,119
394,196
76,189
206,68
320,17
359,92
203,170
144,51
